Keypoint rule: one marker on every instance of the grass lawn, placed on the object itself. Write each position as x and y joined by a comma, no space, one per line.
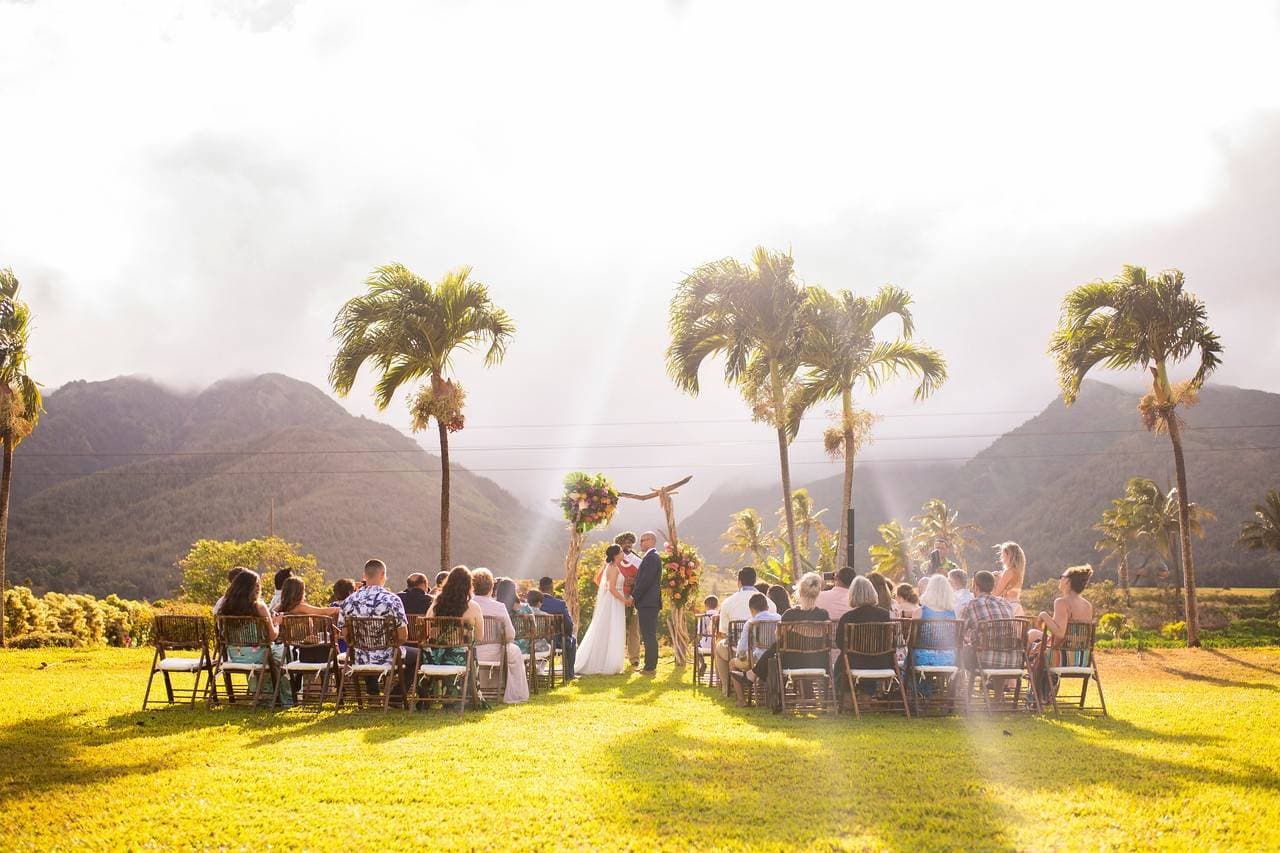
1188,759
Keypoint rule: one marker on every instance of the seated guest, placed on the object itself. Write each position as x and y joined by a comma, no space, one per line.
415,599
371,600
279,579
533,607
807,591
517,689
293,601
231,575
863,608
836,600
733,609
441,577
758,606
244,598
780,597
1068,607
556,607
906,601
342,588
986,607
706,624
938,602
959,580
884,590
506,591
453,601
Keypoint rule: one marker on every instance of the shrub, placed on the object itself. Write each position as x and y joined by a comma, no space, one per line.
205,567
1174,630
40,639
88,621
1113,625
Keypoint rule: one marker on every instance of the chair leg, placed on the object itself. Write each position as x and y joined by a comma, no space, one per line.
1102,701
168,686
146,697
902,691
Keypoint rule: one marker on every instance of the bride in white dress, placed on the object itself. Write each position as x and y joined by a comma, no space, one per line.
604,647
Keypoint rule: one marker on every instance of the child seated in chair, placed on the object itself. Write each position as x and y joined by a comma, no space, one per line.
742,664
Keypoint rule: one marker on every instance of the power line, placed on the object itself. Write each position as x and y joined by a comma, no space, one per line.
741,421
611,445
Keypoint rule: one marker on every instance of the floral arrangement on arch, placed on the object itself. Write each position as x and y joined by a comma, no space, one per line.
588,500
681,568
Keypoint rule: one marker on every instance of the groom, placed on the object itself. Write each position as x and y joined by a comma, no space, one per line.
646,597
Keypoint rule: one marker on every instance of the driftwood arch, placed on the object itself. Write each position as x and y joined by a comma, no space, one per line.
675,620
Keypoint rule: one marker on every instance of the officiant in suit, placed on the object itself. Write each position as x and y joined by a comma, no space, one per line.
646,597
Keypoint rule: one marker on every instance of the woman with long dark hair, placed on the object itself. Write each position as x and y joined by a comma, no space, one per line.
293,601
244,598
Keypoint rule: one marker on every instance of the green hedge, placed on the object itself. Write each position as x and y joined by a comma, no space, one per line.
57,619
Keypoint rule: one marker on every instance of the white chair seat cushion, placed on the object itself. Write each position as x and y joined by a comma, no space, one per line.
937,670
490,663
304,666
874,673
236,666
1071,670
805,672
368,668
179,665
1003,673
442,669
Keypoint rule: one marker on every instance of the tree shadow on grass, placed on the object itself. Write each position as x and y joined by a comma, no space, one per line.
1242,663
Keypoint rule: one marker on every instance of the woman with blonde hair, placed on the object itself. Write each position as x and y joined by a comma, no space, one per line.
806,611
1009,581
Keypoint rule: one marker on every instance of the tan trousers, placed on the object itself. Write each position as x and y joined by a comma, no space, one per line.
723,655
633,637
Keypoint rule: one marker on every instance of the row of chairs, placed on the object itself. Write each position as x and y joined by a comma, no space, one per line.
996,657
311,666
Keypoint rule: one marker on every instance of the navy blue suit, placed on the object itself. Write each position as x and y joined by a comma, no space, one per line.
647,594
556,607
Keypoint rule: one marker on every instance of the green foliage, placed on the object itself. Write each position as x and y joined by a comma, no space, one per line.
86,621
1174,630
891,557
204,569
1263,533
43,639
746,536
1113,626
939,521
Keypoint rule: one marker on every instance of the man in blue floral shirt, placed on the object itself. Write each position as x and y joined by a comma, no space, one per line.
374,599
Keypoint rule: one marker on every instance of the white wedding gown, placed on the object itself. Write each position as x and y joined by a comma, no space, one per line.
603,649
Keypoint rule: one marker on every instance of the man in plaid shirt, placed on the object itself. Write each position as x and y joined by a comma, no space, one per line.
986,607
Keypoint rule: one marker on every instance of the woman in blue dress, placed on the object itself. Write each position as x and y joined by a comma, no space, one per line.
938,602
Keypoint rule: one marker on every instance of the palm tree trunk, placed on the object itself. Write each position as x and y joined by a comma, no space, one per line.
846,497
779,416
1184,533
5,476
444,496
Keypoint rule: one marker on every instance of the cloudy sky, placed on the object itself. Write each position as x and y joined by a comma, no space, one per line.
190,190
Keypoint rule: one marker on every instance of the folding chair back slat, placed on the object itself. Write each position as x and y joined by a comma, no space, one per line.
245,632
435,635
929,684
873,639
1071,657
172,633
494,634
703,650
180,633
309,637
551,631
804,690
526,626
366,635
1001,645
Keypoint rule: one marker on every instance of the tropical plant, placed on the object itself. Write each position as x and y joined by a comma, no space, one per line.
408,329
20,402
805,517
1154,517
752,316
938,521
1150,322
841,352
891,556
204,568
1264,533
747,535
1118,527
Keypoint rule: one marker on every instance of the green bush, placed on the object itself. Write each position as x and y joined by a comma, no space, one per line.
34,621
1174,630
1113,626
41,639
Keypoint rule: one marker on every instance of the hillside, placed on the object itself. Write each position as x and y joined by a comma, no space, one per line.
1045,483
123,475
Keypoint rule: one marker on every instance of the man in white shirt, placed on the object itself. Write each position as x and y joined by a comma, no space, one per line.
735,608
959,580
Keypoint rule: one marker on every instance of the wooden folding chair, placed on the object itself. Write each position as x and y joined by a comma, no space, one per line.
873,639
999,649
244,648
310,655
438,636
761,636
371,639
1071,657
526,626
704,645
492,683
551,629
733,633
181,634
927,683
810,688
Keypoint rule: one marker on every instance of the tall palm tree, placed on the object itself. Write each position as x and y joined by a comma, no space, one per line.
1263,534
407,329
20,402
747,534
1156,517
752,316
841,352
891,556
939,521
806,515
1117,529
1150,322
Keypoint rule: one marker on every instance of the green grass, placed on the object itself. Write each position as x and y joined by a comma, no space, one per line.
1187,760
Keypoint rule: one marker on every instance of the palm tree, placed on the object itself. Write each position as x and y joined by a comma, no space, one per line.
20,402
1155,517
806,520
891,557
1118,527
408,328
938,521
1263,534
752,316
746,534
1151,322
841,351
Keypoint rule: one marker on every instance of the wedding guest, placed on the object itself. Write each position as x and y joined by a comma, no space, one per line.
808,590
453,600
1070,605
780,598
244,598
758,606
414,597
1009,584
533,607
568,642
884,589
938,602
278,581
293,601
441,577
342,588
231,575
506,591
987,607
517,689
374,599
863,608
906,601
959,580
836,600
733,609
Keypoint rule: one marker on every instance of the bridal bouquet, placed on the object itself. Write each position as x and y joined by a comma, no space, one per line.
681,567
588,501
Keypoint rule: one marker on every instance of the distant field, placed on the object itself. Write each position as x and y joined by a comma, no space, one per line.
1187,761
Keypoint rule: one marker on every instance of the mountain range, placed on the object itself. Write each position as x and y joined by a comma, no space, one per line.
122,476
1045,483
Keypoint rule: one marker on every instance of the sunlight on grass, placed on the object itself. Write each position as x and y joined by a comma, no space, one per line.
1186,761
